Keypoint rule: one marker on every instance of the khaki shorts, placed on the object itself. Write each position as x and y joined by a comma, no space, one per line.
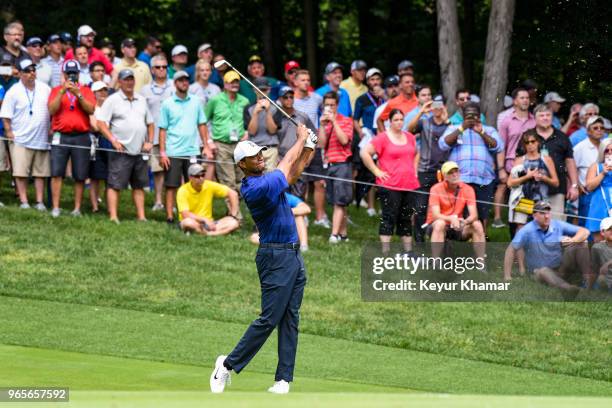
4,162
270,157
29,162
154,161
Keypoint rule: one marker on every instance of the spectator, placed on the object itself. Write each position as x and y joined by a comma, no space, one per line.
98,166
7,81
396,177
405,101
511,128
586,112
601,255
306,100
182,130
553,100
70,105
354,84
98,73
151,49
142,71
553,250
586,154
54,59
391,91
532,88
80,53
125,120
291,70
35,50
572,123
108,49
599,186
462,97
13,49
195,203
333,76
448,200
220,70
180,56
202,87
423,93
255,69
26,124
405,67
85,37
226,113
534,173
155,93
67,42
335,135
259,120
4,161
205,53
472,145
430,129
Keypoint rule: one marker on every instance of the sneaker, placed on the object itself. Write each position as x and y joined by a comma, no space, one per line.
115,220
220,376
55,212
24,206
343,238
334,239
170,221
498,223
363,203
76,213
40,207
279,387
323,222
157,207
371,212
1,204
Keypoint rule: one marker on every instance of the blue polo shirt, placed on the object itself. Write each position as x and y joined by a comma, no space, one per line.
265,197
180,118
344,103
543,248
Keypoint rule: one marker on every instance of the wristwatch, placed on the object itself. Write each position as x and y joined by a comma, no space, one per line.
574,185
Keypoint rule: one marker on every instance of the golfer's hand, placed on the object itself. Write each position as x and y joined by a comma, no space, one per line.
302,133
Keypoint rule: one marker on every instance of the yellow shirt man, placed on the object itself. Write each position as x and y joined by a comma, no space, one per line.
142,72
199,202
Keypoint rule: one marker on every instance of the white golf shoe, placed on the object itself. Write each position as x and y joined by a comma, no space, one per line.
279,387
220,376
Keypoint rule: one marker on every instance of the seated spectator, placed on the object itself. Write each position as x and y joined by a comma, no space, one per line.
599,185
448,200
553,250
601,256
300,211
195,205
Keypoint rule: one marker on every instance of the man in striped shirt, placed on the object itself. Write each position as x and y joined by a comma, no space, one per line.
55,59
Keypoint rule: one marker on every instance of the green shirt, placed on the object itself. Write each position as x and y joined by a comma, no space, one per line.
227,117
248,92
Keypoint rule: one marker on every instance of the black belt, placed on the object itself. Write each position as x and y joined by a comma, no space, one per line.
290,245
338,163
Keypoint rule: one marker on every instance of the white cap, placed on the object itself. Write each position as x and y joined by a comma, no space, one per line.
85,30
204,47
373,71
553,97
246,148
179,49
508,101
96,86
594,119
605,224
474,98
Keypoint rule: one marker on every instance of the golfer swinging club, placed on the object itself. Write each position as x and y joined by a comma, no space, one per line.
279,262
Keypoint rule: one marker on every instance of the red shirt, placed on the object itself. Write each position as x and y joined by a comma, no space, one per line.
335,152
397,161
73,120
94,55
400,102
450,202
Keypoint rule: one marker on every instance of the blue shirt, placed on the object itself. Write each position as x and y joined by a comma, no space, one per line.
293,201
344,103
265,197
144,57
180,118
457,118
543,248
365,107
1,121
578,136
556,122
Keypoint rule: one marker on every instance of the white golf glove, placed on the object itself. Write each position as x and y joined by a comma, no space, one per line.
311,141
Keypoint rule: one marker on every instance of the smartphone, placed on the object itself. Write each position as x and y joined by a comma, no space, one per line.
608,161
6,70
437,105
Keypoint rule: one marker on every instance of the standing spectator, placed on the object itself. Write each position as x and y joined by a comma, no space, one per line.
98,73
462,97
85,37
391,91
155,93
396,177
601,255
108,49
333,76
4,161
423,93
286,130
142,71
572,123
67,41
306,100
405,101
205,53
532,88
553,100
430,128
26,124
586,154
98,166
180,56
13,48
255,69
182,126
259,120
291,70
226,113
599,185
220,70
405,67
55,59
335,135
126,122
511,128
587,111
80,53
6,81
354,84
472,146
70,105
202,87
151,49
34,46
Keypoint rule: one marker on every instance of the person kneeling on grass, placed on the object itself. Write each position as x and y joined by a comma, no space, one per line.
195,205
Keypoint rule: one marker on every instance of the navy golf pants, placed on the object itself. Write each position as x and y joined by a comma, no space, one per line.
282,278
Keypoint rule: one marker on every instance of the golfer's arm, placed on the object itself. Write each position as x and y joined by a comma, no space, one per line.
298,167
292,156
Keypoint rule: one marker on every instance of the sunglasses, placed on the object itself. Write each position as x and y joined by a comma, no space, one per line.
597,128
288,97
528,142
201,175
608,151
465,99
29,70
160,66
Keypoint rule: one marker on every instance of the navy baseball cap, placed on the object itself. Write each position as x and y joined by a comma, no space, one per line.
53,38
126,73
71,66
66,37
284,91
331,67
262,82
405,64
392,80
33,41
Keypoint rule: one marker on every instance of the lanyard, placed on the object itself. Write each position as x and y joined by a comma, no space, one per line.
71,99
30,101
155,86
374,102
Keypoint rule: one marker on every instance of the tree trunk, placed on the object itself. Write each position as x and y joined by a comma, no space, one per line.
495,76
311,33
271,36
468,39
449,50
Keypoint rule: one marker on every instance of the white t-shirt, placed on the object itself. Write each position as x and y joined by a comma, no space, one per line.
585,154
29,114
377,114
204,93
43,72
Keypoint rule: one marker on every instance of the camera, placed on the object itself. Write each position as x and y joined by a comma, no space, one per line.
73,77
